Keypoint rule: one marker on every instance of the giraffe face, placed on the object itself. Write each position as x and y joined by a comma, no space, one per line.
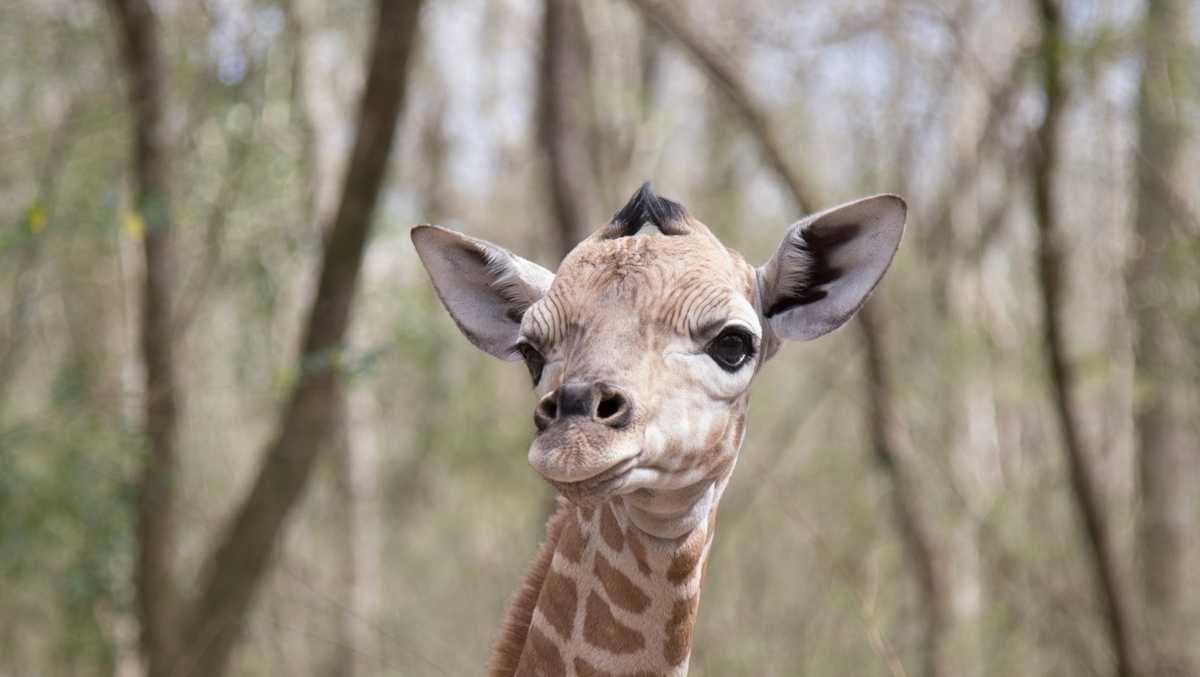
643,346
642,352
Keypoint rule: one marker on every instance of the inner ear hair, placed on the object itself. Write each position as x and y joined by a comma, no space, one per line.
485,288
805,266
828,264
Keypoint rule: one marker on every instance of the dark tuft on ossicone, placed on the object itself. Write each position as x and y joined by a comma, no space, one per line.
647,208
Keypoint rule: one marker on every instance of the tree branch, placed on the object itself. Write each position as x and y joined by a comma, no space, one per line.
138,28
564,121
727,79
884,421
1110,585
238,563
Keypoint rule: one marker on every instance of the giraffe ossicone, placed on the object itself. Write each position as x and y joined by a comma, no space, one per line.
642,348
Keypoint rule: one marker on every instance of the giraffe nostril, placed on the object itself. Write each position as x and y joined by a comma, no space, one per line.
545,412
609,406
613,410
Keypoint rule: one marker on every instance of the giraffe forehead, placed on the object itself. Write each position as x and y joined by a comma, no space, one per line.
679,283
651,249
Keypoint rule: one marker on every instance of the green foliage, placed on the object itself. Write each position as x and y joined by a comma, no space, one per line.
66,525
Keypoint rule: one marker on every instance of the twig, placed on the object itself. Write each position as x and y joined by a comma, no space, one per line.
730,83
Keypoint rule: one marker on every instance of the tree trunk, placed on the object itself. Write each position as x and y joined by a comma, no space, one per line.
233,572
888,442
727,79
564,116
365,551
1164,408
354,519
1111,586
155,524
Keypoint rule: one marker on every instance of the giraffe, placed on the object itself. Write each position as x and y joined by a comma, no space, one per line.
642,348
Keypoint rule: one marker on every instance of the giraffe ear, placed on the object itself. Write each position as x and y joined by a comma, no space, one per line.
828,264
485,288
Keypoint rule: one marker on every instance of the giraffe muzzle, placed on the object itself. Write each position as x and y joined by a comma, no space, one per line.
576,399
586,441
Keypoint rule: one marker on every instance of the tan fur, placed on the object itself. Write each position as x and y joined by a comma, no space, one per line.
507,653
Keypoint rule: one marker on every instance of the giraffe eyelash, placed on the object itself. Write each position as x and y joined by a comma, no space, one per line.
534,360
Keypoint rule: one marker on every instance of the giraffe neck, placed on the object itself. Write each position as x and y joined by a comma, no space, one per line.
605,599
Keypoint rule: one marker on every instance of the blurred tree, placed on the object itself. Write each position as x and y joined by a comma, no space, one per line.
1165,399
1111,585
730,83
157,604
237,564
199,638
911,513
882,415
564,121
254,143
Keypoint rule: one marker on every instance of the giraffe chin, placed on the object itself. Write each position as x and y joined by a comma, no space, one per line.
582,453
595,490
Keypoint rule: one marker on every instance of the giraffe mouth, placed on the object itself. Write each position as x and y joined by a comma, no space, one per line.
599,486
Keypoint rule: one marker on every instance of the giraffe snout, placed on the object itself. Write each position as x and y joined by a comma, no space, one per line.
597,401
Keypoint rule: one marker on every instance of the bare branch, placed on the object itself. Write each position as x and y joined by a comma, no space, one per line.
729,81
196,286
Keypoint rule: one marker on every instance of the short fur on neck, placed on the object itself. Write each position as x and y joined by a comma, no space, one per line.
517,619
584,633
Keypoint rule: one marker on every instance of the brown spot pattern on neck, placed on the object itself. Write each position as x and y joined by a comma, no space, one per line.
638,550
620,589
541,658
610,529
602,630
679,630
585,669
557,603
601,609
506,656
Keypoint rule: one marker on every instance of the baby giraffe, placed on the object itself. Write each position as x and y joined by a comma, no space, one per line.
642,349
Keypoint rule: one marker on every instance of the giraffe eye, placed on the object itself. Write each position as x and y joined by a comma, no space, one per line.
533,360
731,349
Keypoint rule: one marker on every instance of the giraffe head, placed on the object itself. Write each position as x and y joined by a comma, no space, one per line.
643,346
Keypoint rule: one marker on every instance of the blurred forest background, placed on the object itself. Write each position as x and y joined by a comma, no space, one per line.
212,462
